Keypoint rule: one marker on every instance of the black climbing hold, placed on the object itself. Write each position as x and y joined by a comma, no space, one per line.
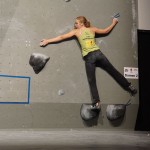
116,111
116,15
88,112
38,61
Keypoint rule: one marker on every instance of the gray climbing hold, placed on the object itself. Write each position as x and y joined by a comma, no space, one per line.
61,92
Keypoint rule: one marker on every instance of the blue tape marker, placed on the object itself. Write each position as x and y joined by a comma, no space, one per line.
28,95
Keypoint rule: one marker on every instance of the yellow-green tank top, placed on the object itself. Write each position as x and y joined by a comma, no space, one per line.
87,42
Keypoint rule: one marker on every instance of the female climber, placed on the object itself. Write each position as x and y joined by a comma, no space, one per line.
92,55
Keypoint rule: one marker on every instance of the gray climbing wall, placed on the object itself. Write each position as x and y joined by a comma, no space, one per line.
52,98
143,15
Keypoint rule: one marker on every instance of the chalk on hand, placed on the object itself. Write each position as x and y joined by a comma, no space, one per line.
38,61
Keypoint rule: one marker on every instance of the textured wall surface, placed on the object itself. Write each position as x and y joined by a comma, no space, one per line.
143,14
23,23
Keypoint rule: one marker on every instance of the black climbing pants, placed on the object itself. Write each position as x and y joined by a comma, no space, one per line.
98,59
